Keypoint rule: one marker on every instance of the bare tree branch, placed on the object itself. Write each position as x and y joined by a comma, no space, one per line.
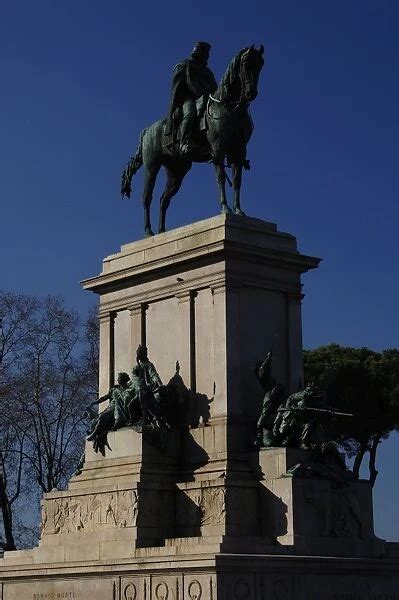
48,373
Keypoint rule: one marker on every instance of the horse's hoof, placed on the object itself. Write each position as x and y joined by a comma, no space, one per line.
240,212
226,209
162,230
148,232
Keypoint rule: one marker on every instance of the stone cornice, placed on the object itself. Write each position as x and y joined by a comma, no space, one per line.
225,239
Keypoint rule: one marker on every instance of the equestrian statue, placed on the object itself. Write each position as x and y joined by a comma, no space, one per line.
206,122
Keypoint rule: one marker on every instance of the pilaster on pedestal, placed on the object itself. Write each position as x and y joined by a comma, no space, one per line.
185,337
106,358
137,327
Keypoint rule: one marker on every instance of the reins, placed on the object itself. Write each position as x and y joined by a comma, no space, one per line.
223,103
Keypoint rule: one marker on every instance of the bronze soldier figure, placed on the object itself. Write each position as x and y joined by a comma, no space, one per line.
146,385
115,416
192,83
274,397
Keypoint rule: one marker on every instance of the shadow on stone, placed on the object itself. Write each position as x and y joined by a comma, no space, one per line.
167,509
273,513
199,409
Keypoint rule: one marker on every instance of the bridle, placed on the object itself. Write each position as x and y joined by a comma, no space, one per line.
224,103
242,102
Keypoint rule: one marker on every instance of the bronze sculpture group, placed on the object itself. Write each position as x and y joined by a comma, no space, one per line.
140,401
206,123
300,420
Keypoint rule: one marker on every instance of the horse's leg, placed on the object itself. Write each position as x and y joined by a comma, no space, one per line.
150,177
237,178
221,179
174,180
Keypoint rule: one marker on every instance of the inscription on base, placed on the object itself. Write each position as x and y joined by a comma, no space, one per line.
78,589
54,596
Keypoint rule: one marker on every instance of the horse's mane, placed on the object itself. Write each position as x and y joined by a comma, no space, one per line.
230,75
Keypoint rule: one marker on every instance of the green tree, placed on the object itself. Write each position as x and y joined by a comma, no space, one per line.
364,383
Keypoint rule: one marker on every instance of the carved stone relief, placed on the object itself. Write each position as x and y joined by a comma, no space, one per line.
166,588
88,513
161,591
129,591
281,589
203,506
199,587
195,590
241,589
342,515
134,588
213,506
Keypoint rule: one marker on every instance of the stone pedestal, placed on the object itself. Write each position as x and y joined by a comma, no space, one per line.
214,296
311,515
207,518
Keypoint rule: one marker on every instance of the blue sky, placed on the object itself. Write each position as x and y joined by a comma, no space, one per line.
81,79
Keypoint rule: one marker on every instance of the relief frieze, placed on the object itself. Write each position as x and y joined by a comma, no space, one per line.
199,507
90,512
213,506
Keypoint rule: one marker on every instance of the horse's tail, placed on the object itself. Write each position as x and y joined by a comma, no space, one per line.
132,167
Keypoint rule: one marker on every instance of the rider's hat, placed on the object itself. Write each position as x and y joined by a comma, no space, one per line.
201,46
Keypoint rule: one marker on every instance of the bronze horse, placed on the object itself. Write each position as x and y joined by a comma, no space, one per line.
228,129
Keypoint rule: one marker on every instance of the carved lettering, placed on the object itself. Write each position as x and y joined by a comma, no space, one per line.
54,595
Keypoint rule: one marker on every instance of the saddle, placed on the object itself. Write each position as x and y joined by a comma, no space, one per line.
171,133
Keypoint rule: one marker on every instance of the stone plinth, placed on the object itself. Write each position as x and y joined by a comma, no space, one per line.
208,517
313,515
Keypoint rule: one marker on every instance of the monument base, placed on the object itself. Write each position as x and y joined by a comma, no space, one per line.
207,517
159,574
124,530
315,515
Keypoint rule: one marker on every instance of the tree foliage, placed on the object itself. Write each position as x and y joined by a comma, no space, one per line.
48,373
364,383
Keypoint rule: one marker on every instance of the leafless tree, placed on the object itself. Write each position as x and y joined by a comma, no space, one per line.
48,374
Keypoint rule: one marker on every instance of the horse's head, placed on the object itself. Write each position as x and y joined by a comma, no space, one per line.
251,64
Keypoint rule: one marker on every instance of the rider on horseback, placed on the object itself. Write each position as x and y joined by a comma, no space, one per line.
224,138
192,80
